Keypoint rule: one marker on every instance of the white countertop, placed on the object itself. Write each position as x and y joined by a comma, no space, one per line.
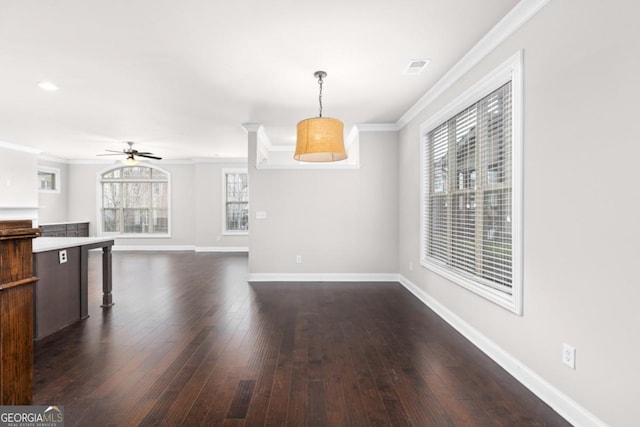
64,223
43,244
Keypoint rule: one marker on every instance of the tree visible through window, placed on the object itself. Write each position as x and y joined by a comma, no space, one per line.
236,201
135,200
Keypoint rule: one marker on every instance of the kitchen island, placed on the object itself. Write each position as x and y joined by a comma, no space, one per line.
62,265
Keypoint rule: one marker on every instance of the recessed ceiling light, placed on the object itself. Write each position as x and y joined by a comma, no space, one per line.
416,66
48,86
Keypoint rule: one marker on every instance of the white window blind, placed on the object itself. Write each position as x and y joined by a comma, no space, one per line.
236,201
468,185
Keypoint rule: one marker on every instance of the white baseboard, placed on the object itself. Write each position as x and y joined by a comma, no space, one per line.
319,277
152,248
222,249
560,402
179,248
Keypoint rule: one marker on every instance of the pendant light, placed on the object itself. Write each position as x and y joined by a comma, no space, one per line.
320,139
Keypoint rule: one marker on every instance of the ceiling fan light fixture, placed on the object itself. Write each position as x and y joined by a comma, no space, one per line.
130,161
131,154
320,139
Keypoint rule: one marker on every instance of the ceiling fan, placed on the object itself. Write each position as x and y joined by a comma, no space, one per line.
131,154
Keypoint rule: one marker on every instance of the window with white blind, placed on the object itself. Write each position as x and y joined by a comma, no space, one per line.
472,186
235,187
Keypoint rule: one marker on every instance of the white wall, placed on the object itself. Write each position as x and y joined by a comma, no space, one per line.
341,221
18,178
84,195
196,206
580,207
209,208
581,204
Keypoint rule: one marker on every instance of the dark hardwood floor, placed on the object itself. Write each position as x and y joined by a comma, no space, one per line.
190,342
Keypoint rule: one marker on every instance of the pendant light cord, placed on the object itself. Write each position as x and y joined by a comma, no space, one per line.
320,95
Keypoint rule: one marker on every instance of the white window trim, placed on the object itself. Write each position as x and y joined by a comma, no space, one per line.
99,182
56,173
223,204
510,70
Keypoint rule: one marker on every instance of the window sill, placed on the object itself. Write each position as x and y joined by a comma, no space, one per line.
511,302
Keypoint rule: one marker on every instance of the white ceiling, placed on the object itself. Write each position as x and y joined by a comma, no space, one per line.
180,77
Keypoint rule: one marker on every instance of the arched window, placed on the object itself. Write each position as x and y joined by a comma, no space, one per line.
135,201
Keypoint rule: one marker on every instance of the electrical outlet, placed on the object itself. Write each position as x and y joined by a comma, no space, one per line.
411,265
62,256
569,356
298,259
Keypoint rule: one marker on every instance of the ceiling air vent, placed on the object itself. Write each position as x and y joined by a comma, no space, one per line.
416,66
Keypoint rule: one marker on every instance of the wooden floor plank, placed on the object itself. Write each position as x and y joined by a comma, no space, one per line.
242,399
190,342
263,370
282,377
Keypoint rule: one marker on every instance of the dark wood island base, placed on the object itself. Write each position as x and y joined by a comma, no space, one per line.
61,296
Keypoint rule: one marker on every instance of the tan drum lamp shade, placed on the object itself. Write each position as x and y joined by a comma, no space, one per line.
320,139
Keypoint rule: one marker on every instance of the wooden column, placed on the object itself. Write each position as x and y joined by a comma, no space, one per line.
16,312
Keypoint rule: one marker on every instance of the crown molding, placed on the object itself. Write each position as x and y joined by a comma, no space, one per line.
106,161
192,161
251,127
219,160
511,22
17,147
378,127
50,158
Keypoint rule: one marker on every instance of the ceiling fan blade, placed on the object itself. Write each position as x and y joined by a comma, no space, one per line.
130,152
148,156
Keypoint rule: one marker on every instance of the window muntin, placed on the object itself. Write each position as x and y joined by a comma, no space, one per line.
472,188
135,201
236,201
469,218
